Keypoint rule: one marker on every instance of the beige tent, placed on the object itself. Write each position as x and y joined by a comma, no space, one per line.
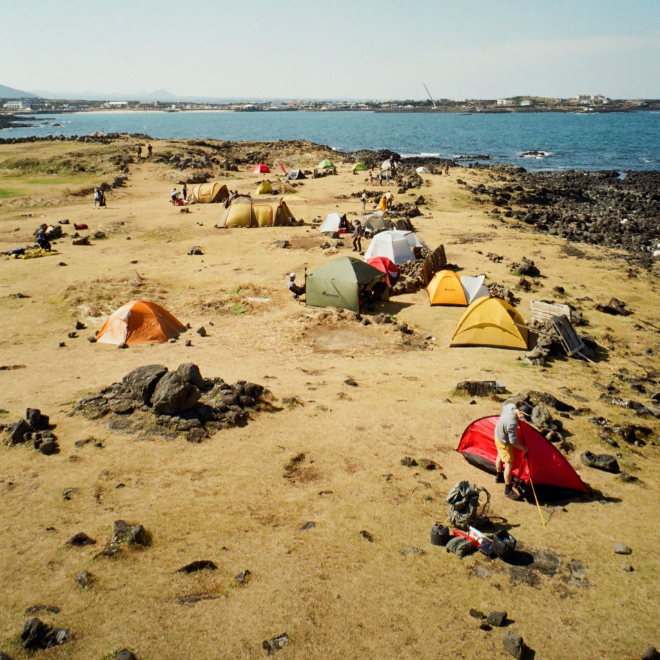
262,212
210,193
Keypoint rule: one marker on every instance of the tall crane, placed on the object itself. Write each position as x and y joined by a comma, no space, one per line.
429,93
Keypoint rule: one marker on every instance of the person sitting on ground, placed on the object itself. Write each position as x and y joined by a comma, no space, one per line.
294,288
174,196
41,239
358,233
506,438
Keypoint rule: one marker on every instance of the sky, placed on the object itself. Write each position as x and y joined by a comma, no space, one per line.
330,49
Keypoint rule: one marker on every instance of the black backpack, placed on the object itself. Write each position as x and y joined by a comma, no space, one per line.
503,545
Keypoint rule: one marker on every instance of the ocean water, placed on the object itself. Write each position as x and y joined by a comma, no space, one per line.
621,141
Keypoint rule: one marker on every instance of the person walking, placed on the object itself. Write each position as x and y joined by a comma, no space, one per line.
97,196
506,440
358,233
447,167
364,201
387,176
139,151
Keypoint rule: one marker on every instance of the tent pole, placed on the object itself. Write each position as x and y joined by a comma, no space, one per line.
531,483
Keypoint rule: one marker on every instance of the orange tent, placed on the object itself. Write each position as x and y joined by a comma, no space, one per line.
262,168
139,322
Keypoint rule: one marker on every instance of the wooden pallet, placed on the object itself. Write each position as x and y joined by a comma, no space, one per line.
569,339
543,311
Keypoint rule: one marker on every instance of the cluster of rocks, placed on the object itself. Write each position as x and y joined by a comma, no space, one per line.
525,267
35,428
152,400
599,208
99,139
37,635
614,307
503,292
411,277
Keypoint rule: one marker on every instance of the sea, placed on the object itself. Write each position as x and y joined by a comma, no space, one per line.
582,141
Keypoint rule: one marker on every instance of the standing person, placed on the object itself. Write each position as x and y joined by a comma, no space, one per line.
387,176
371,178
101,198
358,233
447,167
41,239
174,196
380,177
506,438
97,196
139,151
364,201
149,150
184,192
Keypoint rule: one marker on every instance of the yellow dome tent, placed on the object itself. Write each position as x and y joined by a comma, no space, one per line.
491,322
210,193
263,212
264,188
446,289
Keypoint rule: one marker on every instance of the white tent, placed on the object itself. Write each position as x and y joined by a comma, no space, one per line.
474,287
422,170
394,245
331,223
409,236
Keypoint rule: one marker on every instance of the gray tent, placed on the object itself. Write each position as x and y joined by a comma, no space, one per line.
294,175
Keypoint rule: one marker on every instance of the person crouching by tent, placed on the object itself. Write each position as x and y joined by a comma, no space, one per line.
506,439
174,196
358,233
41,239
294,288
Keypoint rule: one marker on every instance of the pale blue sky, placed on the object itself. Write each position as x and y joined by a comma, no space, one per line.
334,48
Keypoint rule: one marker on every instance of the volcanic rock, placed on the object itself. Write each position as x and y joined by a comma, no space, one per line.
604,462
37,635
174,394
622,549
513,644
124,533
143,380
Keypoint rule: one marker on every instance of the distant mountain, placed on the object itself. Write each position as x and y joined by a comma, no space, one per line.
9,93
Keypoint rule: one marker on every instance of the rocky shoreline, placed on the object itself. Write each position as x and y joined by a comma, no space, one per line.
597,208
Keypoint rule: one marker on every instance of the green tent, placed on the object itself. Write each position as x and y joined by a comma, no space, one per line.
359,167
326,164
337,283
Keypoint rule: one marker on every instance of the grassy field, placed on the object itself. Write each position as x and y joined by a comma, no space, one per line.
334,593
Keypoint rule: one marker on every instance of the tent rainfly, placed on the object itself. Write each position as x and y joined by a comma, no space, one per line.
448,288
210,193
139,322
333,222
326,164
262,168
552,475
294,175
491,322
359,167
338,284
264,188
263,212
385,266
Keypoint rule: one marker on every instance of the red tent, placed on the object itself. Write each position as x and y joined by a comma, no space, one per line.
551,473
384,265
262,168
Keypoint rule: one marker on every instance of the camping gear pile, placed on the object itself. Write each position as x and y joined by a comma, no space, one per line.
464,515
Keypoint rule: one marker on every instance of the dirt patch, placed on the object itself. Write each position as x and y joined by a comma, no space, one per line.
101,297
307,242
240,301
340,340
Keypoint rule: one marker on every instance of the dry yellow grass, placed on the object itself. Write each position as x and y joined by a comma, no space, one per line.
333,592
